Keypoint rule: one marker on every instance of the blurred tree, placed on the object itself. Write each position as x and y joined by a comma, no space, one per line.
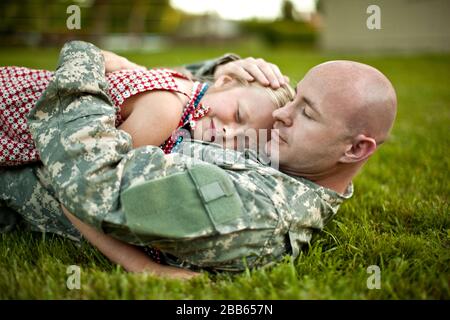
43,22
287,10
137,18
102,17
156,15
170,20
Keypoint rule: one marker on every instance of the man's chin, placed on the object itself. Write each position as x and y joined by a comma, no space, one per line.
272,154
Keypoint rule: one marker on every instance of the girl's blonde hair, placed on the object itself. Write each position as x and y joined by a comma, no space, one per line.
279,96
282,95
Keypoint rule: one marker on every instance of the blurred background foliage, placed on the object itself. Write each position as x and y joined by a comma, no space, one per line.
155,25
142,24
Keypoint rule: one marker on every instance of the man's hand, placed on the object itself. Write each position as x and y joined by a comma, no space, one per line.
114,62
252,69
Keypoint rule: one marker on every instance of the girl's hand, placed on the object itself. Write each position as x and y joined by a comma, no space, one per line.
170,272
131,258
252,69
114,62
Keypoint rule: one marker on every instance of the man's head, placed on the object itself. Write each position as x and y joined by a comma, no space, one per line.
341,113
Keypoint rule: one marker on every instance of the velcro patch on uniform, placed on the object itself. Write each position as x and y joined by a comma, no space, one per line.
212,191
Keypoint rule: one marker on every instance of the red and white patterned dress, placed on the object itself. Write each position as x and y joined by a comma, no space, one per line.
20,89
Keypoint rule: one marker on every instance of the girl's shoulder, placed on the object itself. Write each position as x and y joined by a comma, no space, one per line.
127,83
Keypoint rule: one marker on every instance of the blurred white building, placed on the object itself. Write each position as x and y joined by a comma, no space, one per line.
406,25
208,25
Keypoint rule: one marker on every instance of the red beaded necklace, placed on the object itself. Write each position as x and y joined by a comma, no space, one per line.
193,111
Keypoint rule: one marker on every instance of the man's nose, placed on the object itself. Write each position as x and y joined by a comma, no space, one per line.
283,114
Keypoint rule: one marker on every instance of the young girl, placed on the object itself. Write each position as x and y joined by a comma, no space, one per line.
151,105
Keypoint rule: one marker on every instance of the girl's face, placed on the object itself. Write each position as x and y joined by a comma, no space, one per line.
238,116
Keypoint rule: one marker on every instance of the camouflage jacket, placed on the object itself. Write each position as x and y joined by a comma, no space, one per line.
203,206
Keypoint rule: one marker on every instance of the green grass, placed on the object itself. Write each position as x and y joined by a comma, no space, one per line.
398,219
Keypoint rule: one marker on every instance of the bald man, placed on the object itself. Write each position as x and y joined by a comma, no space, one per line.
203,207
341,113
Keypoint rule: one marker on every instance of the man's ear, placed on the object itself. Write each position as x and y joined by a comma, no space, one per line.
223,80
361,148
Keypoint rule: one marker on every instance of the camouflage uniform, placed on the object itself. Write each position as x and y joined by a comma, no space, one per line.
202,206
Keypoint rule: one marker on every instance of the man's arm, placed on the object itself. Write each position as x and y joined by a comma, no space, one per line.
250,69
73,129
205,69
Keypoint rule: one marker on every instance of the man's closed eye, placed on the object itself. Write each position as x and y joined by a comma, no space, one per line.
238,115
305,114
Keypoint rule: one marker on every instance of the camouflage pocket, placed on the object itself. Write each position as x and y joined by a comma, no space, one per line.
200,201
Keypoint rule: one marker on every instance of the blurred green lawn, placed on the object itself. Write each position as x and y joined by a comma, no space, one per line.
398,219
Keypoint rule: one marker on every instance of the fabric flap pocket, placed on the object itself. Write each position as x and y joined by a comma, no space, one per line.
200,201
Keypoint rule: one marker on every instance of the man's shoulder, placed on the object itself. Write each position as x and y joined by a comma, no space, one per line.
246,169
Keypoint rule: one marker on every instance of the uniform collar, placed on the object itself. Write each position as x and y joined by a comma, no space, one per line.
231,159
333,198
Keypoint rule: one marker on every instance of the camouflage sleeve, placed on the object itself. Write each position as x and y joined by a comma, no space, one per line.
73,129
8,218
28,198
205,69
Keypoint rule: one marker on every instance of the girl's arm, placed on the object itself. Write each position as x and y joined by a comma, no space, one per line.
128,256
153,117
150,117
